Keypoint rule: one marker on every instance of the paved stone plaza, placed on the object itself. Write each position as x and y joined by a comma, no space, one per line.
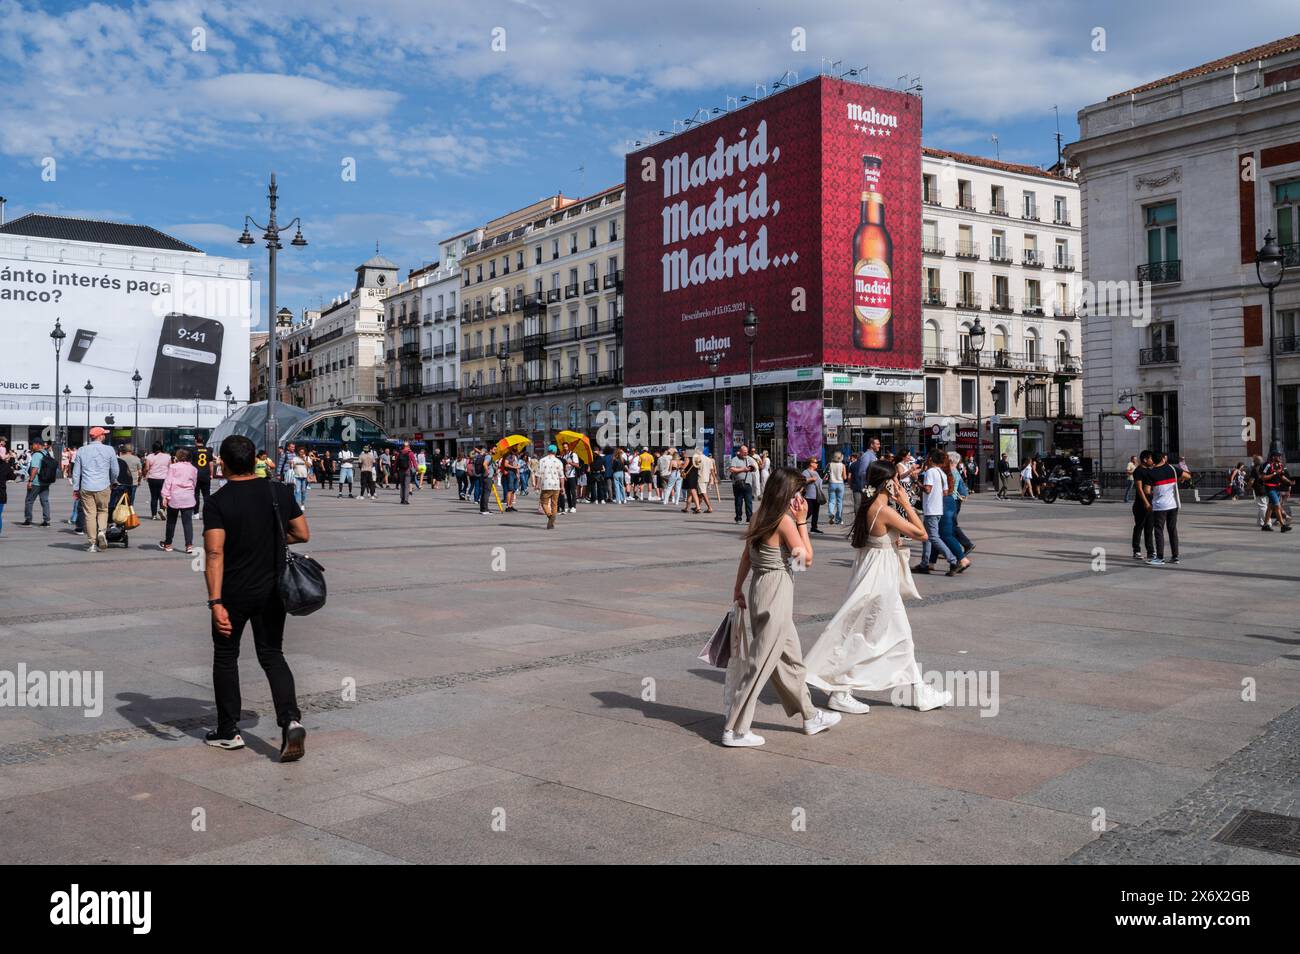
560,699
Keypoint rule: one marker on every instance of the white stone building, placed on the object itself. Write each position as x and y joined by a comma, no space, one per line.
1000,245
347,344
1181,178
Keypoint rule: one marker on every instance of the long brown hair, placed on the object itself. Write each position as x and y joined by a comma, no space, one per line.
781,486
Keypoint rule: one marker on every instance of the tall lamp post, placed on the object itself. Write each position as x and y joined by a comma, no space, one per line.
57,336
228,395
751,334
713,361
271,235
88,388
473,397
1270,266
503,357
135,435
976,346
196,413
67,413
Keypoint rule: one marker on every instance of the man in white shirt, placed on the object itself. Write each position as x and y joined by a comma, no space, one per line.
744,481
549,478
934,485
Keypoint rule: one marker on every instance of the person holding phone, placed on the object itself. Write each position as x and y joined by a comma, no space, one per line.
777,537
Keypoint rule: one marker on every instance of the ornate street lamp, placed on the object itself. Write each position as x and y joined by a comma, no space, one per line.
228,395
57,336
271,235
976,346
751,335
713,361
88,388
135,436
1270,267
503,357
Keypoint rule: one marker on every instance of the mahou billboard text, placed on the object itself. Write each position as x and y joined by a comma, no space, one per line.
804,206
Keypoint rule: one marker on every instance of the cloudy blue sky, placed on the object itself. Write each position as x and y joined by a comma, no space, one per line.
447,132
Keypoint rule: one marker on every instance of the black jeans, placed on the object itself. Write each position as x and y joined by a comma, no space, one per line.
1166,520
367,483
814,508
462,483
744,497
187,522
405,484
1143,528
155,495
267,617
571,492
202,491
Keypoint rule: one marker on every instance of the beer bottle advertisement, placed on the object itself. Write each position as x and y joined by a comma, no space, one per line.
873,274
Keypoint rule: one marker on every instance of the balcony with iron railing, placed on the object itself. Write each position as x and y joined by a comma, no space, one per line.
935,357
426,353
1003,303
1063,262
614,279
590,286
932,245
1161,273
1291,258
1029,214
1063,311
1032,258
931,196
965,202
998,253
552,295
1287,344
937,297
970,299
1061,218
1068,364
442,387
571,290
968,249
998,207
1152,356
1032,306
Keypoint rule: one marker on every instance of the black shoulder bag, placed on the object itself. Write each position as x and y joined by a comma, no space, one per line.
301,579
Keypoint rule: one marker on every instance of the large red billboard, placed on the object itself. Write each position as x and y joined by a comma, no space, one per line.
805,206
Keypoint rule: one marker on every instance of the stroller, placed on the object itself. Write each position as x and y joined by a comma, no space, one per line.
121,518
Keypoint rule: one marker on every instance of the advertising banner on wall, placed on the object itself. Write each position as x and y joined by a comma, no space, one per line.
805,207
187,335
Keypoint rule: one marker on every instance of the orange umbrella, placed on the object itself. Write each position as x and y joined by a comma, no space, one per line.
578,443
515,442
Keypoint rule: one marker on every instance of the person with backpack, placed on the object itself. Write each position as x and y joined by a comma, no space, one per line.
42,472
403,465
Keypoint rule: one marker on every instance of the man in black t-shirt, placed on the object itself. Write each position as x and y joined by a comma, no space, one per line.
1143,519
242,549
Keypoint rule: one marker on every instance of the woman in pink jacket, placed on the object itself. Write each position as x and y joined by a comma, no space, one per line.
178,498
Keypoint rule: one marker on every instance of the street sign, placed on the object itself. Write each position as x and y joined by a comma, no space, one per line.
1132,427
1132,415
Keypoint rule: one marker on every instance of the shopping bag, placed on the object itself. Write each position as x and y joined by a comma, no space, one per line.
739,661
717,651
122,510
132,521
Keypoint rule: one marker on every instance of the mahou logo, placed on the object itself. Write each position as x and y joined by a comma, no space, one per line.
868,115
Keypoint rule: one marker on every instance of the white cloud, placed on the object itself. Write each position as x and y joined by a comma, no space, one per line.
289,100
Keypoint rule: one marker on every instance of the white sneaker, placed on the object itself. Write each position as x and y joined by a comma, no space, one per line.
925,697
821,721
101,541
746,741
92,549
844,702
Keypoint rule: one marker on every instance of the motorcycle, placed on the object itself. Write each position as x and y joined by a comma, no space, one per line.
1070,484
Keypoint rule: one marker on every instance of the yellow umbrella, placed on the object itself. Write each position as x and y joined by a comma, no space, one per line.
578,443
515,442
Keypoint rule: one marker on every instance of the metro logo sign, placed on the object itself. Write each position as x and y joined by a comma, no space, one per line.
762,208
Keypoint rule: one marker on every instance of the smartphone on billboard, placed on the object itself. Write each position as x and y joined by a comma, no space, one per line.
188,358
98,351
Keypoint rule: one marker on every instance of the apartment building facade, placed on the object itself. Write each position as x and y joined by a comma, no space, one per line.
297,368
573,316
1181,179
347,344
1000,246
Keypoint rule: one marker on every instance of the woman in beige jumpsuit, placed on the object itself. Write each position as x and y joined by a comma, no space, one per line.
777,534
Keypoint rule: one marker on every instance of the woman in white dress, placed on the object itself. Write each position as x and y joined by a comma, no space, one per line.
867,646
